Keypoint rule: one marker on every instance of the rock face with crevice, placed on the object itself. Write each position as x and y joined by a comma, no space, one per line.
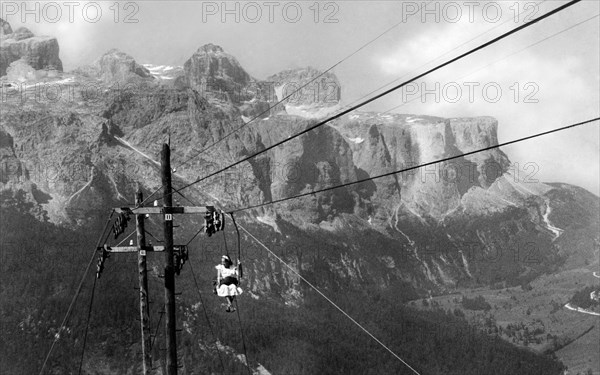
390,142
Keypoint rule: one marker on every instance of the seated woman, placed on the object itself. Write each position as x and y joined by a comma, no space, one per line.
227,279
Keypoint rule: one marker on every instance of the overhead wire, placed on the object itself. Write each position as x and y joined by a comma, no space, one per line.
151,235
299,89
126,238
417,166
77,292
69,311
212,332
339,62
90,309
329,300
157,328
397,87
156,191
372,91
343,185
239,243
280,101
510,55
340,114
225,243
148,197
237,309
195,235
184,197
87,325
372,178
436,58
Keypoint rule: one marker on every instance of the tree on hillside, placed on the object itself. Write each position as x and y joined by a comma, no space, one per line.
478,303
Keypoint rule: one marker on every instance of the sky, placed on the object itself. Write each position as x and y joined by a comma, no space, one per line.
530,82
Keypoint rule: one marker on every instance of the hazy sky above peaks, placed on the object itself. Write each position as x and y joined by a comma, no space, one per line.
531,82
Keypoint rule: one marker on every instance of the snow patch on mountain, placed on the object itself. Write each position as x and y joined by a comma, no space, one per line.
39,84
411,242
445,278
270,221
279,92
87,184
357,140
311,111
465,263
165,72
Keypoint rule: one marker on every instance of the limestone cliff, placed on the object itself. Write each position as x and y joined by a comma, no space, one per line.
40,52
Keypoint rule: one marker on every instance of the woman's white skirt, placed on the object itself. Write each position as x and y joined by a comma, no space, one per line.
228,290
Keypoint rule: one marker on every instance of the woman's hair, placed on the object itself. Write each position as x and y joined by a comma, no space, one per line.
227,260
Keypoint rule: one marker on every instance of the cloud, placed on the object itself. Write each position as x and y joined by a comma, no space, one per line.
550,85
416,50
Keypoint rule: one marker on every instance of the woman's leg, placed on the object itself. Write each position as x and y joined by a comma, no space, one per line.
229,304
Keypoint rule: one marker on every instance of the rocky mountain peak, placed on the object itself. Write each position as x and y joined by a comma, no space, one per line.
211,70
22,33
312,93
116,65
5,27
208,48
321,87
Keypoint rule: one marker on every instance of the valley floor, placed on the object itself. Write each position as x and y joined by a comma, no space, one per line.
538,318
